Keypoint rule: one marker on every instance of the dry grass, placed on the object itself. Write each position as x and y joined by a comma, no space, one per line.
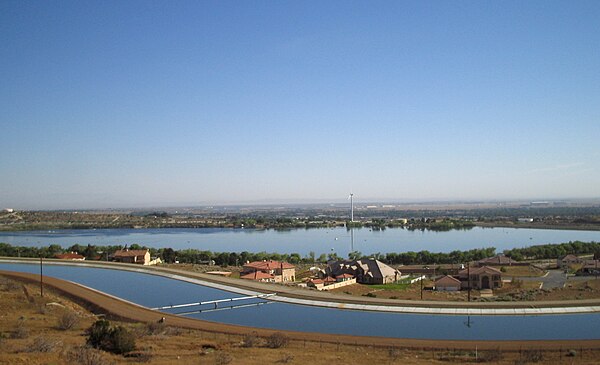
523,271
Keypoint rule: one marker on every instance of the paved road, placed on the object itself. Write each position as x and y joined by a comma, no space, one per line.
555,279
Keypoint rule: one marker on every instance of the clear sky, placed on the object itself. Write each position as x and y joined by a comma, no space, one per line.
141,103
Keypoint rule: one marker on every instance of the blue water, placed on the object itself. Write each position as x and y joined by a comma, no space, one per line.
318,240
154,291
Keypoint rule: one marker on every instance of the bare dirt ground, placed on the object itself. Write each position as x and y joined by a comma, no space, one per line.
30,335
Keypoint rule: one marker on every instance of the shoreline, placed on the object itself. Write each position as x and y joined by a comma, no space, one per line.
293,295
562,227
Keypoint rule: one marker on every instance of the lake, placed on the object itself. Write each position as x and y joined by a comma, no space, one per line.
302,241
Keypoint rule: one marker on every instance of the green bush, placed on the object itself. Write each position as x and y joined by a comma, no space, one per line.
117,340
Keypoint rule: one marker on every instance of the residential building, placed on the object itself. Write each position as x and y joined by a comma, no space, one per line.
366,271
498,260
447,283
141,257
70,256
269,270
484,277
568,260
590,267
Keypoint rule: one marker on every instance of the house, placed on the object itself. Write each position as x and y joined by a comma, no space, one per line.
568,261
269,270
70,256
366,271
590,267
259,276
141,257
498,260
484,277
329,283
447,283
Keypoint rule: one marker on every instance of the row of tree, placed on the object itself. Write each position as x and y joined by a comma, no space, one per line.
195,256
553,251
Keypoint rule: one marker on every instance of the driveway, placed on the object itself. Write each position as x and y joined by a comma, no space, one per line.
555,279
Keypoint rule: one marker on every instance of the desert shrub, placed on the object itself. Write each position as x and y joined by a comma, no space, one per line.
277,340
222,358
8,285
43,344
155,328
21,331
490,356
67,320
286,359
532,356
250,339
394,353
103,336
370,295
85,355
121,340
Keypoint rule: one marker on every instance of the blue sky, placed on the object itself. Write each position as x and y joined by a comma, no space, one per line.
145,103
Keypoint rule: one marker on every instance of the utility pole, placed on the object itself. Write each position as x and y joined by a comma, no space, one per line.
41,277
468,281
351,197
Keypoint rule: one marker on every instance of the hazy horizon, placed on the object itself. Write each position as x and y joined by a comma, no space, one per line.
127,104
358,202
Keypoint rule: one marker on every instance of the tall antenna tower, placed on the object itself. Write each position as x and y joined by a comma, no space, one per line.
351,197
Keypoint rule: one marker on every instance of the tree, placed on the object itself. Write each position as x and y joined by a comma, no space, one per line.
355,255
169,255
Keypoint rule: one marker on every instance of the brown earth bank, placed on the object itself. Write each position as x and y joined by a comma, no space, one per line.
32,332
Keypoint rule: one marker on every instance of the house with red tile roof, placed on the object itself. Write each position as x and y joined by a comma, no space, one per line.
141,257
70,256
269,270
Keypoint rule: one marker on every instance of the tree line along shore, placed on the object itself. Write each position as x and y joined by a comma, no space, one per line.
195,256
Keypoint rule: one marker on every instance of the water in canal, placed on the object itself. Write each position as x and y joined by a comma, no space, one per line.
154,291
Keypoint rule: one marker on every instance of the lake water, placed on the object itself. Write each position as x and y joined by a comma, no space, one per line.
302,241
154,291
